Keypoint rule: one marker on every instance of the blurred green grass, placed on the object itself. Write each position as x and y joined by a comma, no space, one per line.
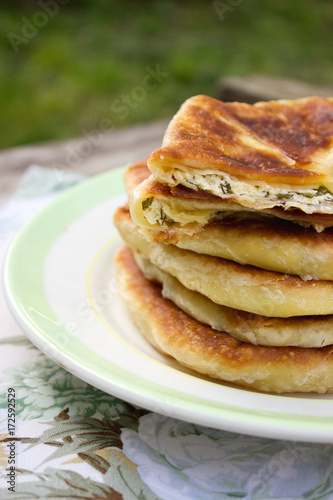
89,55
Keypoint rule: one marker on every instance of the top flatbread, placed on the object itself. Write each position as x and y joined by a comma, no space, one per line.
276,153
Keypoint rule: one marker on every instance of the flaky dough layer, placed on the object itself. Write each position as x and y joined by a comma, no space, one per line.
301,331
217,354
230,284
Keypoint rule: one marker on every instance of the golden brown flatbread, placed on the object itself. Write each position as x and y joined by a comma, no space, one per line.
227,283
217,354
276,153
301,331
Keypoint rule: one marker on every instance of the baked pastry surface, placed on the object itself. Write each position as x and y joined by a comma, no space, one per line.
275,153
228,283
217,354
301,331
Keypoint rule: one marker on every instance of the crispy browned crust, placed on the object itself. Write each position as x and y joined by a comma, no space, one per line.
135,174
138,173
217,354
207,133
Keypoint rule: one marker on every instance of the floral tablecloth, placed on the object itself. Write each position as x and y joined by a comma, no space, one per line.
72,440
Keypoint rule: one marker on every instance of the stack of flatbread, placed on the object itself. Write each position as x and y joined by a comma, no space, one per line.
228,263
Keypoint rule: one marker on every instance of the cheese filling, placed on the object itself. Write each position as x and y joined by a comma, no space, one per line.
253,194
157,212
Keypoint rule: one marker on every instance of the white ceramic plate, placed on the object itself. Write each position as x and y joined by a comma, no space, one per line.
61,289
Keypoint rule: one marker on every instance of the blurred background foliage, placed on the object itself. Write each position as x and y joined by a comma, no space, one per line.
63,80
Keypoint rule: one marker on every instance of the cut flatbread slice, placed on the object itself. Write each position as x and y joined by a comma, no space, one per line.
168,214
234,285
302,331
276,153
217,354
242,236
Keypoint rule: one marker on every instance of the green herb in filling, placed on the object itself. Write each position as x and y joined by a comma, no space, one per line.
146,203
321,191
324,191
225,187
164,218
284,196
